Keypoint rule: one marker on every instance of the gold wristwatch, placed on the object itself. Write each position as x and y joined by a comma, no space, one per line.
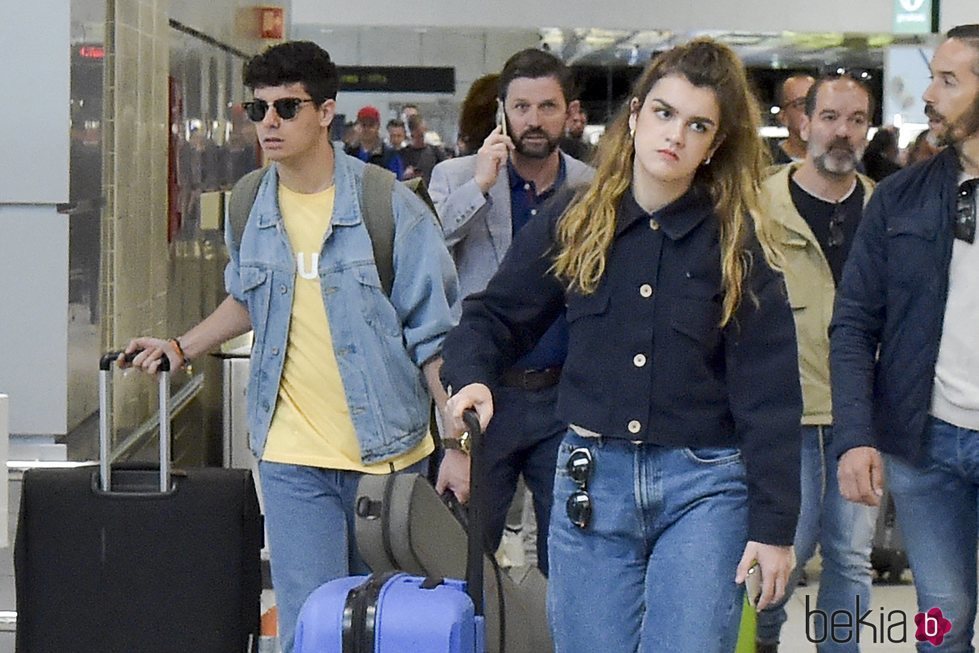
463,443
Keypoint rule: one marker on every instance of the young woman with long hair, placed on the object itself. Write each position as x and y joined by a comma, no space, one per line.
680,468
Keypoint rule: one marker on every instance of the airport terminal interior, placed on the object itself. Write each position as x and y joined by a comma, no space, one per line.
122,133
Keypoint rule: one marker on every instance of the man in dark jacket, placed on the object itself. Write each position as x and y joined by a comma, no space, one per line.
905,352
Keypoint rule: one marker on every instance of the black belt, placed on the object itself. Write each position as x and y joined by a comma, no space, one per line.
532,379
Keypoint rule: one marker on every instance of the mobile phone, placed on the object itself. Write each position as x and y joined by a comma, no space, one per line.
500,116
752,585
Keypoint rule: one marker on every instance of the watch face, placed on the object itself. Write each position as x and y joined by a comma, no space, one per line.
465,442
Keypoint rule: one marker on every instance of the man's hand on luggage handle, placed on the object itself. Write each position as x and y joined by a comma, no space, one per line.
151,350
861,475
454,475
454,470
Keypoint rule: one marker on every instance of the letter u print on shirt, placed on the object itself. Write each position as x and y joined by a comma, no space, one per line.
311,273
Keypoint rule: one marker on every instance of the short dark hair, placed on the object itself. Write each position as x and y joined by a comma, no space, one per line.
970,35
396,122
534,64
414,122
294,62
814,91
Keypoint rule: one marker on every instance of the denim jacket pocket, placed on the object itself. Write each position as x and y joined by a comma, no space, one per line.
376,305
255,283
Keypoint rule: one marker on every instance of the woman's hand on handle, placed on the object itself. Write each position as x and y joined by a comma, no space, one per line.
775,564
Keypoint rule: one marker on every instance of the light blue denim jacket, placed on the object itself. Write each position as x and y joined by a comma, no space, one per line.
380,343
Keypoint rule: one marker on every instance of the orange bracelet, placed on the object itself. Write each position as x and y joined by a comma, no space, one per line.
180,350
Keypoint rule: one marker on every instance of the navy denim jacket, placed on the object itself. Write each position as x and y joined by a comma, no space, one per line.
890,306
380,343
647,358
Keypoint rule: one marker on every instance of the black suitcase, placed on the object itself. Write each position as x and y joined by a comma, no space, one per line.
107,562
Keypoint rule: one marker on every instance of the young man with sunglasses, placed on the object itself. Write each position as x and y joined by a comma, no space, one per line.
905,351
815,207
338,367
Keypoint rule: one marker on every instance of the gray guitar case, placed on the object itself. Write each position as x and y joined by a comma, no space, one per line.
402,523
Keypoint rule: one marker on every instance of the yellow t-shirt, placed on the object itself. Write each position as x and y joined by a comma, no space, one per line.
311,424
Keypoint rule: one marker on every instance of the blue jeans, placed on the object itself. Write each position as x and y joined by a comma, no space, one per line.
844,532
522,438
936,503
654,570
309,515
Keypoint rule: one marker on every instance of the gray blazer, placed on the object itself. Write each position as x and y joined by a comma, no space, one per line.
478,228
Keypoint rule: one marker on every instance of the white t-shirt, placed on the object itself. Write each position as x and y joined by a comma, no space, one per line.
955,398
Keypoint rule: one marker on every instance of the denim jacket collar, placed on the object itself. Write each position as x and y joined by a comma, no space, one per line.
346,209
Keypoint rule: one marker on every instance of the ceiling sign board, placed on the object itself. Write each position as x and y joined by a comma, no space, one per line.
915,16
397,79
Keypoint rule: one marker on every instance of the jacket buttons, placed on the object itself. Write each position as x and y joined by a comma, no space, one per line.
646,290
275,351
635,426
283,289
654,224
639,360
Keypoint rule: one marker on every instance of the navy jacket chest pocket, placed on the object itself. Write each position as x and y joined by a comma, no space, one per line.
911,253
584,306
698,320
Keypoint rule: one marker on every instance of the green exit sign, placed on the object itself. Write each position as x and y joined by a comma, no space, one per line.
915,16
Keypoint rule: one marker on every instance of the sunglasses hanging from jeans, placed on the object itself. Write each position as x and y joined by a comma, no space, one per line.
578,505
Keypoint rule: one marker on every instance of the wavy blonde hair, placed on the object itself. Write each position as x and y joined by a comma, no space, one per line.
587,228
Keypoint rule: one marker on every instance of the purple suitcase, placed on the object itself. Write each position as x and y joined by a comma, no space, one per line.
394,612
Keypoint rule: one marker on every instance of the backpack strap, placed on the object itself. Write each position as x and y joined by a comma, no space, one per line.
240,204
376,205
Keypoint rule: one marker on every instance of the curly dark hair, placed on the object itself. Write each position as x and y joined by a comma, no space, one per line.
294,62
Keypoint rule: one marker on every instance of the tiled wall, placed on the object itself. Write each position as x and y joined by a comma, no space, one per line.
134,238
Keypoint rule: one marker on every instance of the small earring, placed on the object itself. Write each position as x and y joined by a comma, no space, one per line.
632,132
707,160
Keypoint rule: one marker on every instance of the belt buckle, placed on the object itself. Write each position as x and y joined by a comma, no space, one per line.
527,379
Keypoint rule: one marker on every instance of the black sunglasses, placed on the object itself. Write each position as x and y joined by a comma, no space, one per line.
286,108
836,222
965,211
579,467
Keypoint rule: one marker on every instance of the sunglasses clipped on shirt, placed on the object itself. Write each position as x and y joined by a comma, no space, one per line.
965,211
836,222
286,108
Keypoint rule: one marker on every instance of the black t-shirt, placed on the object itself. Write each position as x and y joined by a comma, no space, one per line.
835,241
422,159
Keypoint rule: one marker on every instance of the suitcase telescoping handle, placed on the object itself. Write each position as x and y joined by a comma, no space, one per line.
474,550
106,365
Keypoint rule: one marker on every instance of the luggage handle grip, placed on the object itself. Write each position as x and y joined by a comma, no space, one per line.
106,363
108,359
474,550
